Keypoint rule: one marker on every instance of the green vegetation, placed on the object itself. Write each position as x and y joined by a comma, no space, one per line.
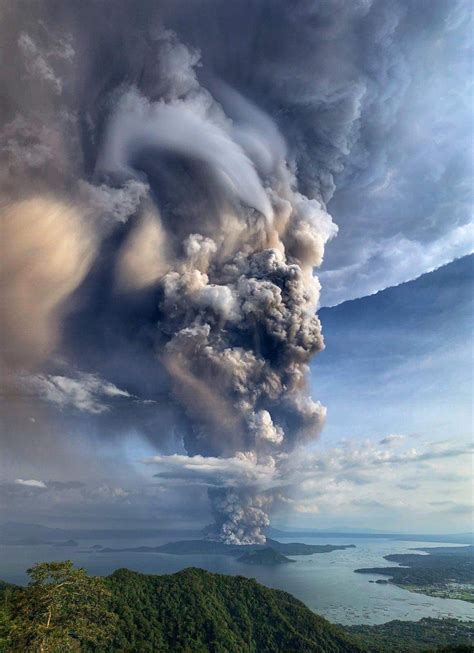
446,572
6,600
411,636
267,556
193,611
62,609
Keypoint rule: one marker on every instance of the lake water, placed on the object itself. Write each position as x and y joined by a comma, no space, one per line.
325,582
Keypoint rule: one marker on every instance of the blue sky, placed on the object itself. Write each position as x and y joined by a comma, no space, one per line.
401,360
396,377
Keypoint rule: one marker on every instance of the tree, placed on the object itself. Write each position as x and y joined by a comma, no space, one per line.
6,592
61,609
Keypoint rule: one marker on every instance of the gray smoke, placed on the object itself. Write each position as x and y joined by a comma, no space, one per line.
240,516
166,168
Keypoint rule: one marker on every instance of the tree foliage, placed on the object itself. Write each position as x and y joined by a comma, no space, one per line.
7,591
427,634
62,610
194,611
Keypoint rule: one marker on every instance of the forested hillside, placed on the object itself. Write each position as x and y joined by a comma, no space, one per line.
195,610
63,609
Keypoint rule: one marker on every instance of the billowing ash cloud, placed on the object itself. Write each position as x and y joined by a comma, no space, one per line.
240,515
166,169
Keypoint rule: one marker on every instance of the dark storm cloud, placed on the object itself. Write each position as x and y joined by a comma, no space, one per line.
170,166
374,101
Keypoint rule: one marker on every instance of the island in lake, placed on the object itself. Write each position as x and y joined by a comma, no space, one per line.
446,572
209,547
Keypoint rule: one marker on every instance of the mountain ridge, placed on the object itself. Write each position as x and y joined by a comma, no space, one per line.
196,611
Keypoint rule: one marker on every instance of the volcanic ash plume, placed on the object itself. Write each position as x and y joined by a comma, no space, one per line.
174,200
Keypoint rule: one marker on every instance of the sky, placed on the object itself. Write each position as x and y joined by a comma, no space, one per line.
396,376
236,288
395,453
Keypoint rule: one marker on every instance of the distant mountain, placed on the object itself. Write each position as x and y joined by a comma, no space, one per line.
452,538
274,532
20,533
267,557
15,533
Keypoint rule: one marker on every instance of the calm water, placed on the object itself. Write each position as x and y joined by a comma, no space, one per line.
325,582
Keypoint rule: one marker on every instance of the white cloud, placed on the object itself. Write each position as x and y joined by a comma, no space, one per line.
242,469
366,455
87,392
105,493
372,479
368,480
30,482
392,440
